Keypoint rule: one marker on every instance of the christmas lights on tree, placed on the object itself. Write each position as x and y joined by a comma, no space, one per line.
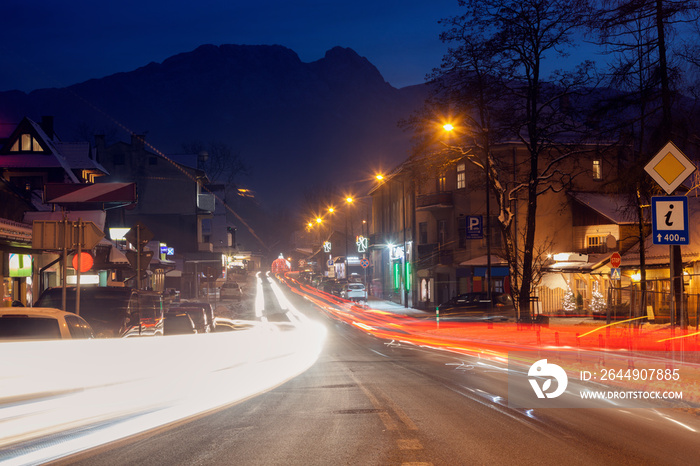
569,301
597,301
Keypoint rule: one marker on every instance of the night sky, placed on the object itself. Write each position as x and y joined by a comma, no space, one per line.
52,43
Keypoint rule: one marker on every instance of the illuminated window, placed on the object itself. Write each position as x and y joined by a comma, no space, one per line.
26,143
441,183
597,170
461,176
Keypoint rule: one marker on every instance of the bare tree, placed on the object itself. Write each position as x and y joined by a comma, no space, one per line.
646,80
492,76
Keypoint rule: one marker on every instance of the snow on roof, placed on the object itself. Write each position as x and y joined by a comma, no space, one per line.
614,206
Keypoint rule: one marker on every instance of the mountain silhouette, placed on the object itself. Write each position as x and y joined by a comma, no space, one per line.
332,121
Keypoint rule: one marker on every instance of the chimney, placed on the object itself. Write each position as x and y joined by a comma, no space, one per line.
137,142
47,125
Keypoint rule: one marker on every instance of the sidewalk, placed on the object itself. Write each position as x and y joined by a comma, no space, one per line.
572,332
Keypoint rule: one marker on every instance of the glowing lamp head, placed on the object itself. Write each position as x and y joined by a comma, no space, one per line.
379,177
349,200
319,219
448,127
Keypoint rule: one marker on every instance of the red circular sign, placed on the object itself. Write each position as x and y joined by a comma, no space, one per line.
615,260
86,262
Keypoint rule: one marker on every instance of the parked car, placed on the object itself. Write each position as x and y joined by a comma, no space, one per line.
354,291
477,305
112,312
178,323
206,307
332,287
42,323
198,314
231,290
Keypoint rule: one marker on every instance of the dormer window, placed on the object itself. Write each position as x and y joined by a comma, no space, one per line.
597,170
26,143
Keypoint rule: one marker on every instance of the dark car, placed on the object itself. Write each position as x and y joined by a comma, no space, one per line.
333,287
478,306
178,323
112,311
202,315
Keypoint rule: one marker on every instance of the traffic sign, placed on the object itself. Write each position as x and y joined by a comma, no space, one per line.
615,260
86,262
669,220
141,232
144,260
51,234
364,262
670,167
474,226
614,274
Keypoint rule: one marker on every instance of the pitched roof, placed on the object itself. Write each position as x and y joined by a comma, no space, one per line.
616,207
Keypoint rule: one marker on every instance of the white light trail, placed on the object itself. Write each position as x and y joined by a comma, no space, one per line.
92,392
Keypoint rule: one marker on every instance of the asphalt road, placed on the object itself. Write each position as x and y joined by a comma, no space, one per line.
368,401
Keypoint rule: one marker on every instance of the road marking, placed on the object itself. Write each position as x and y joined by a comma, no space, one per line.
409,444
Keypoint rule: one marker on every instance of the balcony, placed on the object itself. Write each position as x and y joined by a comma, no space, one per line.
434,201
432,254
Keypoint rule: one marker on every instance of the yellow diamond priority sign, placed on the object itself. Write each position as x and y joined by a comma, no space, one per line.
670,167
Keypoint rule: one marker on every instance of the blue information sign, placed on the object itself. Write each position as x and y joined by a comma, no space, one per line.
474,226
669,220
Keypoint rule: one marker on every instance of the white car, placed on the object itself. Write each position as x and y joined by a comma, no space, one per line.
354,291
230,290
41,323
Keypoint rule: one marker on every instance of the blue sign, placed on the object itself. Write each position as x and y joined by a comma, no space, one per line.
474,226
669,220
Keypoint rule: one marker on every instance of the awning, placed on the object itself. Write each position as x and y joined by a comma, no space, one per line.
72,193
481,261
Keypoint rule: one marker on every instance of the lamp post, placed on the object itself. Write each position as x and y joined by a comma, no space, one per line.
404,274
449,128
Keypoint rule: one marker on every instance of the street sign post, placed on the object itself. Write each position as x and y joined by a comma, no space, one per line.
138,236
669,220
63,235
670,168
615,260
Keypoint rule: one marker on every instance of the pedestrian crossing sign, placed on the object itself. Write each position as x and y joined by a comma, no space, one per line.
615,273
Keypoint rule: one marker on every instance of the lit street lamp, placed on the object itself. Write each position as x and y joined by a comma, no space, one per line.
448,127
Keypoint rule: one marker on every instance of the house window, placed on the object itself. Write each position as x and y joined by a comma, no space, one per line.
596,244
441,183
461,176
423,233
26,143
597,170
442,231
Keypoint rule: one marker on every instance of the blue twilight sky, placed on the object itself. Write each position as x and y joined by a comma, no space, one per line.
53,43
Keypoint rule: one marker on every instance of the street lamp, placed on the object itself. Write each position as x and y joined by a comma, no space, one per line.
448,127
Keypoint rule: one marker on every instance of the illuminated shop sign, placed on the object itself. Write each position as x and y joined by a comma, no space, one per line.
20,265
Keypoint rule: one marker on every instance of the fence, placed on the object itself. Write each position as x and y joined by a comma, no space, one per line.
629,301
